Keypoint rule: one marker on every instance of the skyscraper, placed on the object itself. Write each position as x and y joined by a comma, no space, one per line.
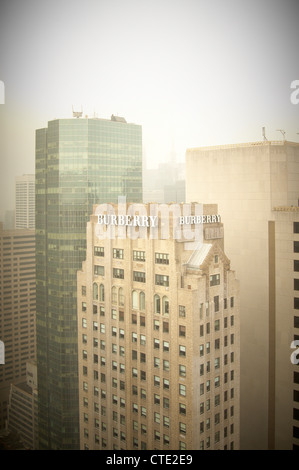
248,181
17,309
158,339
25,202
79,162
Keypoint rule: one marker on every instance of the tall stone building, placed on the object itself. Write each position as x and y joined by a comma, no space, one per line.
248,181
158,339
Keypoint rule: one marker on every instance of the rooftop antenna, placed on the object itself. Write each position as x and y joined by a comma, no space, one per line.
264,133
283,133
77,114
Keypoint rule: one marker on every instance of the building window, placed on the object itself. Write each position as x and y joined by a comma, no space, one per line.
142,301
217,325
84,323
182,311
118,253
166,421
296,322
102,293
296,247
161,258
121,296
134,299
215,280
216,303
182,390
165,306
98,251
118,273
296,227
138,276
296,284
83,290
157,304
296,303
161,280
99,270
138,255
182,427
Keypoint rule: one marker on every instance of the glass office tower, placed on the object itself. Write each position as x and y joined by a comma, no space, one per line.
79,162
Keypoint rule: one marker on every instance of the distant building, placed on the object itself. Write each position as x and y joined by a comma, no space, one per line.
164,184
248,181
25,202
17,307
158,343
23,409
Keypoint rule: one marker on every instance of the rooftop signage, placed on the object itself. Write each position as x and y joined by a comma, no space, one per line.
153,221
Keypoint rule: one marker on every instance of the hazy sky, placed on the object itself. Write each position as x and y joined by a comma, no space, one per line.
191,72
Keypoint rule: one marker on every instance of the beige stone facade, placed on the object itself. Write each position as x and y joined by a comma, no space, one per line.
158,343
284,328
247,181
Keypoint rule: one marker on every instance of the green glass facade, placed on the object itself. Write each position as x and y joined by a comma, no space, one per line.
79,162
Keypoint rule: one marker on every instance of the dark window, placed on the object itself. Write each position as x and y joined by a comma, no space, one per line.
296,303
296,227
215,280
296,265
296,432
161,258
296,247
118,273
295,414
296,322
296,284
138,276
296,377
296,396
99,251
216,303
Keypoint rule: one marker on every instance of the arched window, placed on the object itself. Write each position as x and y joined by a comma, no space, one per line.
95,294
134,299
121,296
165,303
157,304
114,295
102,293
142,301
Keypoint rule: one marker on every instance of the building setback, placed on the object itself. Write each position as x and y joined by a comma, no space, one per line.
17,307
248,181
22,409
158,343
79,162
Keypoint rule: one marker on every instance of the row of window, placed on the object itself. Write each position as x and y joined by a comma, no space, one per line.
182,408
182,445
118,253
138,276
